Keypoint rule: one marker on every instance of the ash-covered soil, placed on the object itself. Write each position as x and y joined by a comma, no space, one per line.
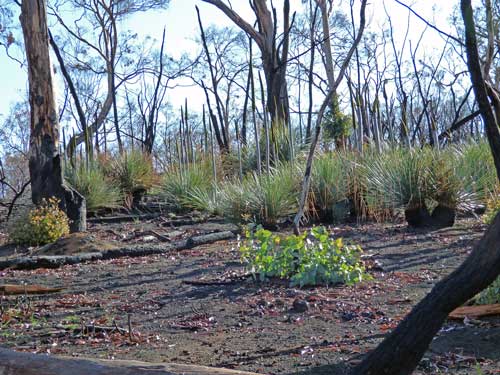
197,306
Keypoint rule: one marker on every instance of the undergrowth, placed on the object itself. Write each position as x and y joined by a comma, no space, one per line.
90,181
41,225
313,258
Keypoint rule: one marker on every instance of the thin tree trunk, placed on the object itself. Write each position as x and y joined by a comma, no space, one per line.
254,118
238,147
266,129
311,72
307,174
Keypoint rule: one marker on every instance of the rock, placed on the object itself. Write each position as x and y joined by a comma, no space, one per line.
348,316
443,217
418,217
75,243
300,306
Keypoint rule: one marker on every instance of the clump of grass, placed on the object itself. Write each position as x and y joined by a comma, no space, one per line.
132,172
187,187
476,170
492,207
264,199
397,178
330,185
445,186
90,181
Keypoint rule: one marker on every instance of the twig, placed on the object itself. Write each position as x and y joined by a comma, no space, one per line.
130,336
91,327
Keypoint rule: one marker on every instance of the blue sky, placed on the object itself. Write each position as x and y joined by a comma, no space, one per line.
181,26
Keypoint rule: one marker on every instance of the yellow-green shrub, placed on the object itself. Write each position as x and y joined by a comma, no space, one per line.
44,224
492,208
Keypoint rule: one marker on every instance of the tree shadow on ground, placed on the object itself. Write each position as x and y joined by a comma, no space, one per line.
331,369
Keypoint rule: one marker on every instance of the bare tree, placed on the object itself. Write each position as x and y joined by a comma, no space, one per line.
274,52
109,47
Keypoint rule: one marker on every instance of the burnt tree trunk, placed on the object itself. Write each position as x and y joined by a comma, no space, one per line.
401,351
274,52
44,158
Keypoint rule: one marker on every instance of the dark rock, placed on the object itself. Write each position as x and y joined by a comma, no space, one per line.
418,217
443,217
348,315
300,306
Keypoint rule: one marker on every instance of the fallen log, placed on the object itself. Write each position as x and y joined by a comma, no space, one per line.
122,218
48,261
180,222
17,363
477,311
137,250
11,289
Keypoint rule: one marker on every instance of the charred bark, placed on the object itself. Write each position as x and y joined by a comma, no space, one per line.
44,159
401,351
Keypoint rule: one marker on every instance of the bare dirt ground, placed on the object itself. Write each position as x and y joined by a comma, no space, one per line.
191,306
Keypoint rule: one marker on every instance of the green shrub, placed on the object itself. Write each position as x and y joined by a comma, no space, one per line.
490,295
132,172
41,225
186,188
309,259
98,190
337,125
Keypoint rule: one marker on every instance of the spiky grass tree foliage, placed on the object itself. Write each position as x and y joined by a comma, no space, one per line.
133,173
399,178
264,199
90,181
274,195
417,180
331,186
476,170
357,187
234,200
445,186
188,187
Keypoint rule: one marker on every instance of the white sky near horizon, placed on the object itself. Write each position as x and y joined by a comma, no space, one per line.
182,28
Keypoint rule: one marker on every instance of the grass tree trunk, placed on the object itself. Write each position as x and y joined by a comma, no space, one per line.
45,161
